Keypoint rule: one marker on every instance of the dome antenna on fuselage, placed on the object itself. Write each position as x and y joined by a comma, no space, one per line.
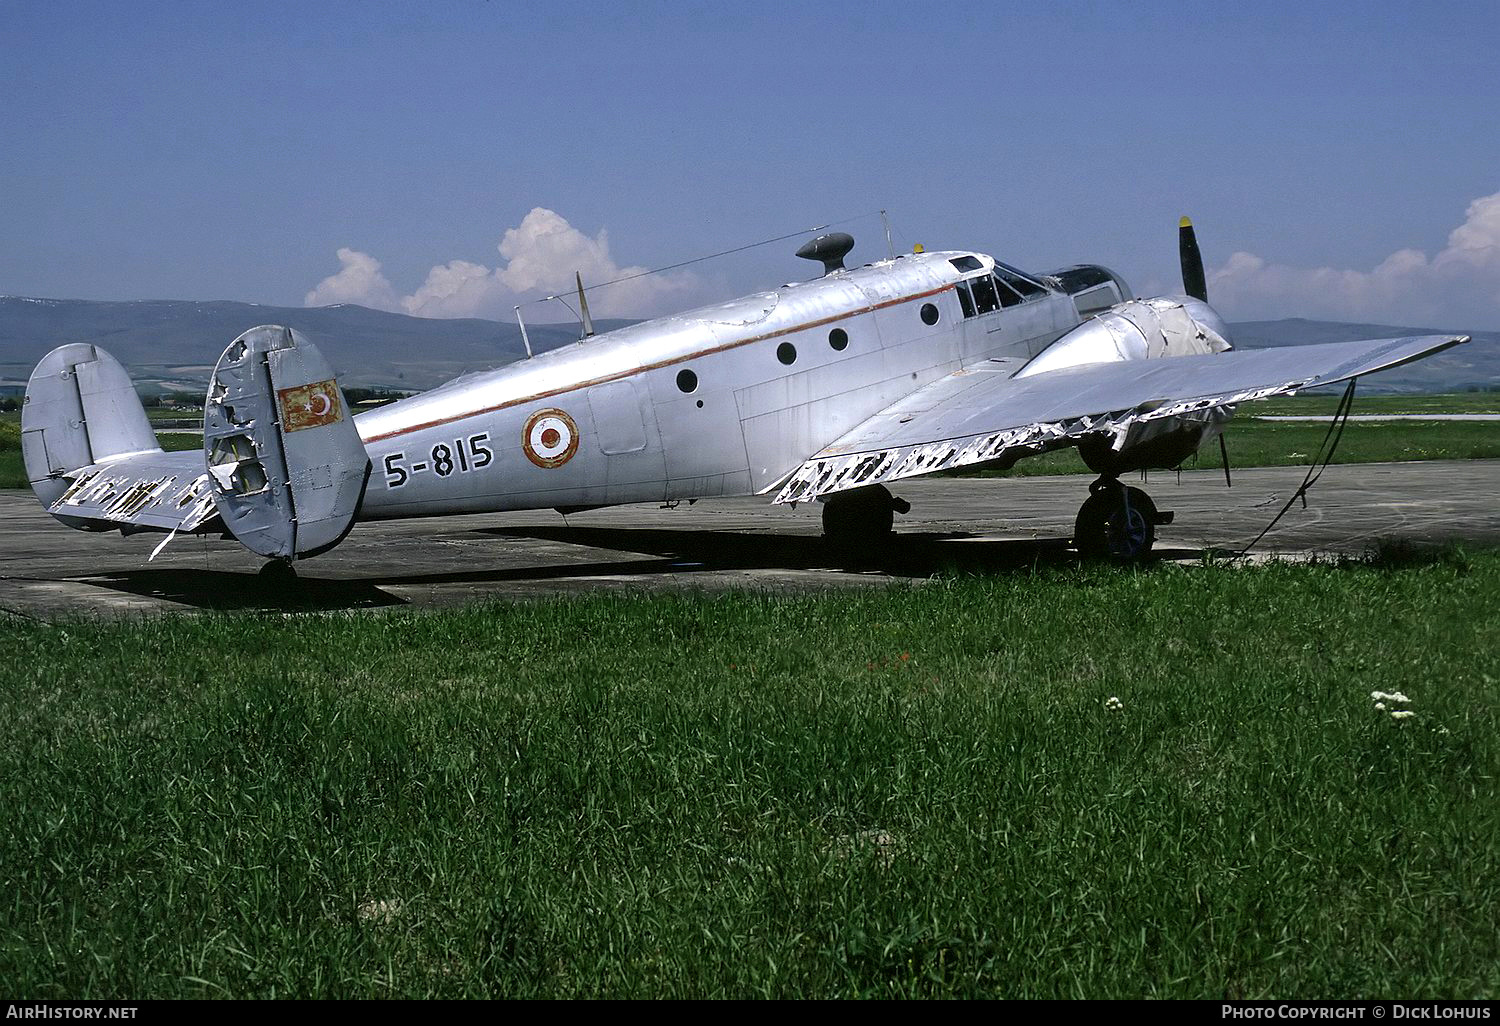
830,249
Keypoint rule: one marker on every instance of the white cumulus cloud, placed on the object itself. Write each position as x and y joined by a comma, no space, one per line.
455,289
1458,287
540,257
358,281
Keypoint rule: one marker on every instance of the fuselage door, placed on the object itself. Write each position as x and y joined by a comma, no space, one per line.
619,417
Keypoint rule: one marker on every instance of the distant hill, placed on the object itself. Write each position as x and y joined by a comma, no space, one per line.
169,342
173,344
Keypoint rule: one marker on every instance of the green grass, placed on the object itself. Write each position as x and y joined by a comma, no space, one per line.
917,791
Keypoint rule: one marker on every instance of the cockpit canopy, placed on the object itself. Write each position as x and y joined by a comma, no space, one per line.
985,289
1092,287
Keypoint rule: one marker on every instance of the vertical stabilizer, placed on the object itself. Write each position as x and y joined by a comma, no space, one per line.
80,409
286,465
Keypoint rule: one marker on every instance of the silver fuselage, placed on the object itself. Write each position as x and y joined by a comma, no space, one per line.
612,420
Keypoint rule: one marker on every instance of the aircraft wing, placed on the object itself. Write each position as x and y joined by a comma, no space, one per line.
165,491
984,413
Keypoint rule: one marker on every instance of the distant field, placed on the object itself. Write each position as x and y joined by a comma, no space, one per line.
1258,443
1074,783
1315,405
1251,443
13,468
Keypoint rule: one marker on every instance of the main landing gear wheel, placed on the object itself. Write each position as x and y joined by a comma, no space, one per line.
1117,523
861,515
278,573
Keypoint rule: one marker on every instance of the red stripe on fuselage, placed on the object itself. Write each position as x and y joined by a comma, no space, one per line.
653,366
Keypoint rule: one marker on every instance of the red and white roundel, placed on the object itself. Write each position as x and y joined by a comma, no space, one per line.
550,438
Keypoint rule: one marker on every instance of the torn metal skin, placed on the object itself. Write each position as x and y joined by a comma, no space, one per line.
824,475
132,499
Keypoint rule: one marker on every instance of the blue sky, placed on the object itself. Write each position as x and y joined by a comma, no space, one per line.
1335,157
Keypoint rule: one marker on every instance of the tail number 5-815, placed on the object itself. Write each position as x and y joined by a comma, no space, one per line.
461,457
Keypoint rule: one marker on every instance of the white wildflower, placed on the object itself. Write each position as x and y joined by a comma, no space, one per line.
1402,714
382,912
1380,706
1113,704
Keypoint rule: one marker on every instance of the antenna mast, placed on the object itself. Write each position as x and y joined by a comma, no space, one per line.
524,337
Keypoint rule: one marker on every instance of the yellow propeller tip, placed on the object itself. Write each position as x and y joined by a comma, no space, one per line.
1185,223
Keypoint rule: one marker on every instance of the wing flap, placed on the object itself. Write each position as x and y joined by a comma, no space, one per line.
971,417
158,490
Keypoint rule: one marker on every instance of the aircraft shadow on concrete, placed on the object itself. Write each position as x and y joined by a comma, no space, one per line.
912,554
225,590
679,553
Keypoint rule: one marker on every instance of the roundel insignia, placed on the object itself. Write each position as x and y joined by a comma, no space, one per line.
550,438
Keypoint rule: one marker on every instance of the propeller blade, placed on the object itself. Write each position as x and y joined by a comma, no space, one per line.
1193,282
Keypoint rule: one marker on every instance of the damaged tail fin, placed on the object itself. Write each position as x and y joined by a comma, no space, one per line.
286,466
282,466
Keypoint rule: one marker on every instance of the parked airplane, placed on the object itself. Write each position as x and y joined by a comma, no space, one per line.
826,390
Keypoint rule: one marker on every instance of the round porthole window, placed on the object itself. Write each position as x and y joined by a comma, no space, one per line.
838,338
929,314
786,353
687,381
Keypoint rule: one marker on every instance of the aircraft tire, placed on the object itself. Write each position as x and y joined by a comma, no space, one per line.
278,573
1116,523
859,516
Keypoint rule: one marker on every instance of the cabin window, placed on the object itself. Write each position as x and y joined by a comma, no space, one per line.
786,353
687,381
929,314
838,338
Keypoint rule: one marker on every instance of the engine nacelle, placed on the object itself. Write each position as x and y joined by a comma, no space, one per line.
1138,329
1142,329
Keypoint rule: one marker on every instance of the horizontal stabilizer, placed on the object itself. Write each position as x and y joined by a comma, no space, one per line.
165,491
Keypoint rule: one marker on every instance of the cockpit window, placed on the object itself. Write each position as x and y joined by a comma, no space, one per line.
965,300
1018,281
984,292
986,298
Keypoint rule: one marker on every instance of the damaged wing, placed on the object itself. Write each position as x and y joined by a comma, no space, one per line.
983,414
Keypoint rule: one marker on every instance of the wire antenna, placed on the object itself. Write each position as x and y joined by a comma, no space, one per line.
712,256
